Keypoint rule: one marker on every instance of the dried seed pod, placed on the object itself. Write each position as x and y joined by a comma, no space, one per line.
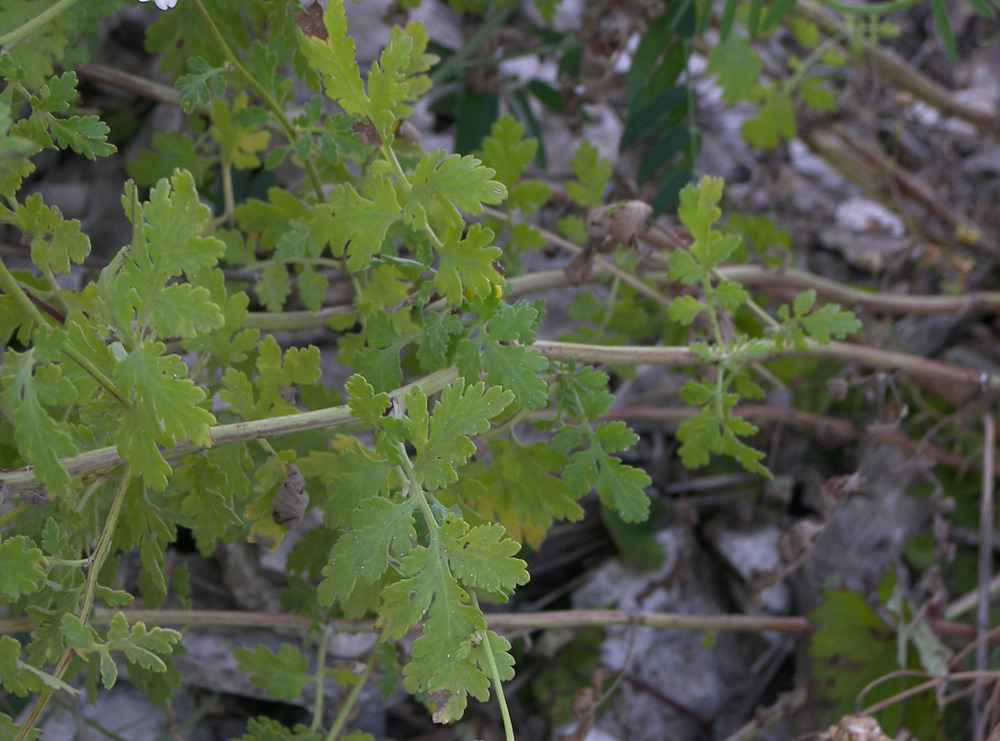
290,503
35,495
628,220
310,21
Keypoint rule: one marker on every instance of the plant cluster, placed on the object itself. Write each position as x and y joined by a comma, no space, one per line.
152,397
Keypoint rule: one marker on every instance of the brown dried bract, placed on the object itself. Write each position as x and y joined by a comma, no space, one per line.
855,728
290,502
367,133
310,21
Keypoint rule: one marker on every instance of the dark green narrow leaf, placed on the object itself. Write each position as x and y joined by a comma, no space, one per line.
728,15
669,187
647,121
706,16
652,45
776,12
519,101
753,19
940,13
673,141
982,9
476,114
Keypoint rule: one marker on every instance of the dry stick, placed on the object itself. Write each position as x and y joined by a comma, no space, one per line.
904,75
985,563
840,428
920,368
787,704
868,167
513,622
925,369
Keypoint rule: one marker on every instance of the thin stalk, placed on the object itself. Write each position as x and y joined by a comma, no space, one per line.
458,59
352,699
605,265
508,726
498,623
103,459
13,288
265,95
986,519
924,369
27,28
318,679
883,8
89,590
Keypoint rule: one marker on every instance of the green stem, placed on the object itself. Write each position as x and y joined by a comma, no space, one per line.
89,590
883,8
320,676
497,622
352,699
106,458
11,286
508,727
262,92
10,38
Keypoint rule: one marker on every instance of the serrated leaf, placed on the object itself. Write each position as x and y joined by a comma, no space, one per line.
274,287
203,82
737,67
441,184
170,151
164,410
22,566
282,675
377,527
140,645
507,152
40,439
502,351
86,135
684,309
358,225
443,444
467,264
55,242
619,487
774,120
729,295
364,403
830,320
592,173
483,557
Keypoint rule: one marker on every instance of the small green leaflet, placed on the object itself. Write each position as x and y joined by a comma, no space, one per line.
467,264
139,645
40,438
282,675
55,242
502,350
619,487
483,557
165,409
22,566
356,224
737,65
392,81
441,439
441,184
377,527
592,173
21,678
268,729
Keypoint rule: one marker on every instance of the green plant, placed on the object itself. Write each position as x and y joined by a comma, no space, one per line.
113,442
